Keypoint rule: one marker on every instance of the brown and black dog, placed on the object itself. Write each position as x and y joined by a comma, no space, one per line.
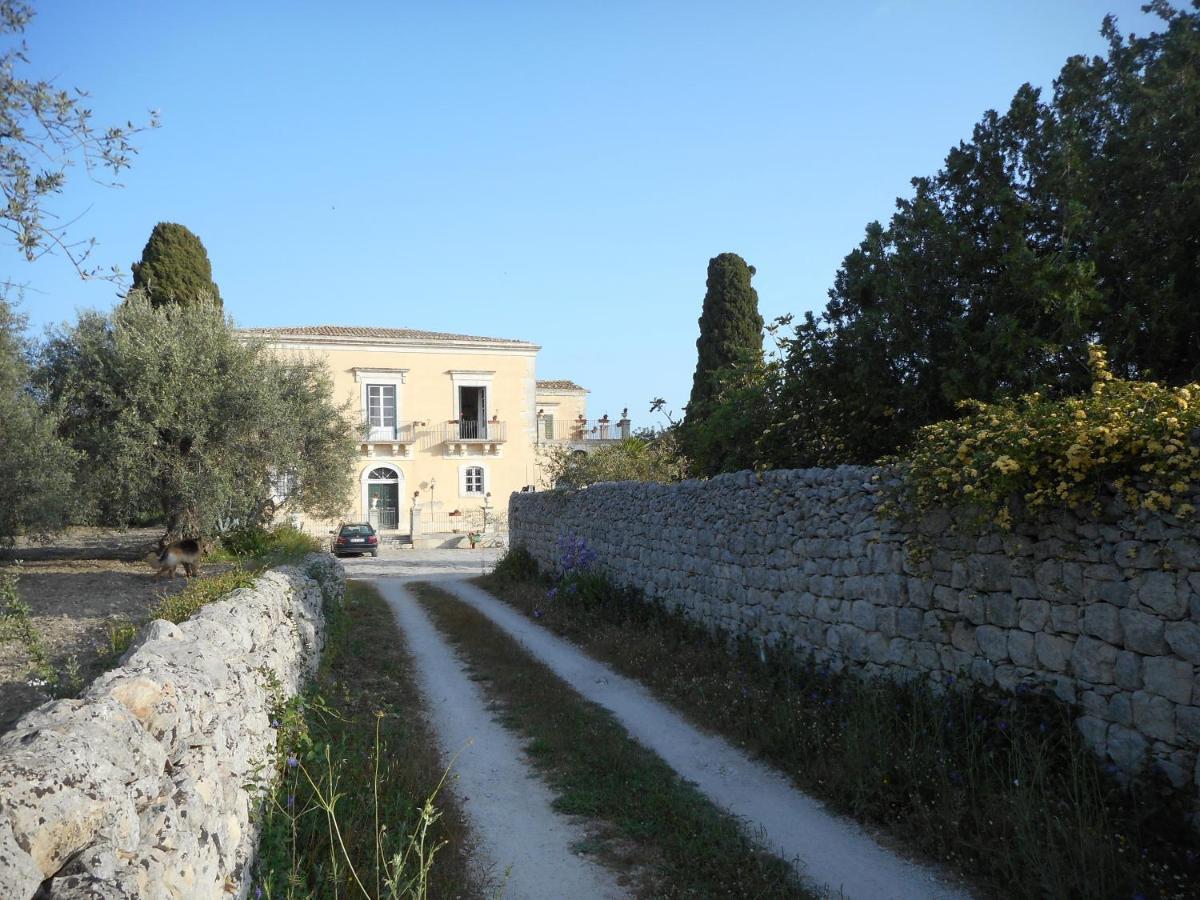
186,553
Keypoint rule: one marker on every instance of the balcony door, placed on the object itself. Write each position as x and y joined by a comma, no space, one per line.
472,413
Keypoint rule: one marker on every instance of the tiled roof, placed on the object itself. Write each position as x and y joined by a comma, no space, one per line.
354,331
562,385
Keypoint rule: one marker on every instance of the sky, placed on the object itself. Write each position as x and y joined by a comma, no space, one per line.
559,172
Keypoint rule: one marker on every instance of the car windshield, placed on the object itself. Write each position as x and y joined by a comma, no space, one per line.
357,530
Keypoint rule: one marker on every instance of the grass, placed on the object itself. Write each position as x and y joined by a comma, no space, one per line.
1001,788
262,548
652,824
359,810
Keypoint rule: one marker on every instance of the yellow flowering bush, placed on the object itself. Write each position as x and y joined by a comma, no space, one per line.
1131,436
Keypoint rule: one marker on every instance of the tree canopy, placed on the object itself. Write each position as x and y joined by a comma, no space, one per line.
730,326
36,467
1064,221
178,416
174,268
45,130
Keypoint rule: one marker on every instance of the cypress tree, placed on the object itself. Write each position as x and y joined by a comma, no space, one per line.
175,267
731,329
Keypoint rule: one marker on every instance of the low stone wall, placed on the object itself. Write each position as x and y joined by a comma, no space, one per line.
140,787
1104,612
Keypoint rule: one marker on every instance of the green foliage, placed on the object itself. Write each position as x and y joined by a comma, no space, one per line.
200,592
176,413
36,467
516,565
1034,453
46,130
1064,220
350,809
269,546
175,268
1000,787
650,456
730,327
16,626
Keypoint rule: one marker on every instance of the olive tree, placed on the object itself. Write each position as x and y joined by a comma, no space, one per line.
36,467
177,415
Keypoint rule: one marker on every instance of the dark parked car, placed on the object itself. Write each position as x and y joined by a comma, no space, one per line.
357,538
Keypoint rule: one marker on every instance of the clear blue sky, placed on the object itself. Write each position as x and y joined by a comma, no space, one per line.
555,171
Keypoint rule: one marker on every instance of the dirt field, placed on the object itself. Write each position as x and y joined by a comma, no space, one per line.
76,586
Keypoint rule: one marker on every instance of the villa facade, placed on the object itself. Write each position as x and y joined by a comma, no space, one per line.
450,424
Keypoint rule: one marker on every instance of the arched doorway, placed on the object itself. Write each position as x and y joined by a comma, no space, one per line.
381,496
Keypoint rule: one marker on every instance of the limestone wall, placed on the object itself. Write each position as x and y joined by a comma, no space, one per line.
140,787
1105,612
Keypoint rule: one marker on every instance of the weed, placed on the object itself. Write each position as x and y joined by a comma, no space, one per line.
199,592
652,822
999,786
358,808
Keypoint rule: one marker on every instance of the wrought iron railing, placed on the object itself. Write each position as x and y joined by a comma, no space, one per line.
554,431
384,518
466,430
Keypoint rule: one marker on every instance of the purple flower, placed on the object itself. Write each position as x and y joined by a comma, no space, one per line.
537,613
291,800
257,893
274,723
552,593
292,761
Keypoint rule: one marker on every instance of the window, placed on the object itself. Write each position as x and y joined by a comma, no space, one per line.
283,485
548,427
473,480
381,406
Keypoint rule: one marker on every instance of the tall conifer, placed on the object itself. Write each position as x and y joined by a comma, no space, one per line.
174,267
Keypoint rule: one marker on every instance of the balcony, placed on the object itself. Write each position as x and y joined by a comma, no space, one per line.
390,440
465,435
582,434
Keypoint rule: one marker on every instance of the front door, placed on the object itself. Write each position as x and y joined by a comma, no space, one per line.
383,506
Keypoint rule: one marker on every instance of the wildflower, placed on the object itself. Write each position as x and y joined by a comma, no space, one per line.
292,761
537,613
291,801
552,593
274,723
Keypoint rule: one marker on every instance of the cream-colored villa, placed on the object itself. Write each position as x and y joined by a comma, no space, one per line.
451,423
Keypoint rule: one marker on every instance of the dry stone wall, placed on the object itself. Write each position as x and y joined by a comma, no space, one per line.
1105,611
143,787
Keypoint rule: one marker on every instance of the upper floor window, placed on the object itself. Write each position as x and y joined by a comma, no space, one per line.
473,480
381,405
548,427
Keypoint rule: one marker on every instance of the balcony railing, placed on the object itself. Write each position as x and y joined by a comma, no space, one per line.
468,431
400,433
581,430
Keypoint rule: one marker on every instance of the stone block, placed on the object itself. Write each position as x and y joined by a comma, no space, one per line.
862,614
1128,671
1126,748
1143,633
1101,620
990,573
1184,639
1024,587
971,606
993,642
1000,609
1154,716
1168,677
1094,731
962,636
1187,725
1020,648
1032,615
908,622
1137,555
1053,652
945,598
1159,591
1120,709
1182,553
1064,618
983,672
920,593
1093,660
